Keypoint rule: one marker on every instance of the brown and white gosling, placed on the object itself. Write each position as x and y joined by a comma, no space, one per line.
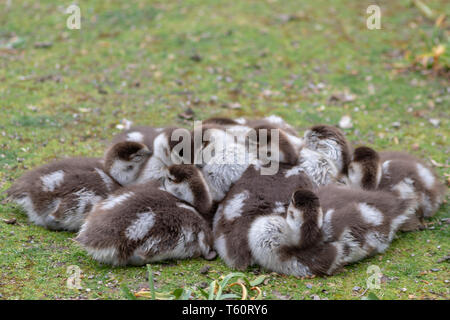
161,143
145,223
323,154
252,196
276,144
326,154
290,142
321,233
221,158
402,174
224,158
58,195
126,161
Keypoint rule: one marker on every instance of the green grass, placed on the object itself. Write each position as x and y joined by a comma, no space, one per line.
133,60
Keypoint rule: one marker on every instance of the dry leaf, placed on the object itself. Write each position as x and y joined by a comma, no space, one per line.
437,164
345,122
10,221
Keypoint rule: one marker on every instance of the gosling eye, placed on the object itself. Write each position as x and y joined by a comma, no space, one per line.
129,168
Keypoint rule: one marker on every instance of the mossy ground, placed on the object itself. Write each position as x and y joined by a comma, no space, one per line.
307,61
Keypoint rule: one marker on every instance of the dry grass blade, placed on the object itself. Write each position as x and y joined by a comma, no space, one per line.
243,287
259,293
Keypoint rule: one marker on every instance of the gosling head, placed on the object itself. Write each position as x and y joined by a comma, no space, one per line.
304,215
331,142
274,144
173,146
125,160
186,183
364,170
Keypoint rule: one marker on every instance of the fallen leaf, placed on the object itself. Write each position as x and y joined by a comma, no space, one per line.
258,291
188,114
43,45
437,164
284,18
424,9
439,20
345,96
10,221
243,288
280,296
435,122
205,269
196,58
345,122
124,124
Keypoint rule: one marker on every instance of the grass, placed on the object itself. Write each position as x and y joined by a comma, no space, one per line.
307,61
